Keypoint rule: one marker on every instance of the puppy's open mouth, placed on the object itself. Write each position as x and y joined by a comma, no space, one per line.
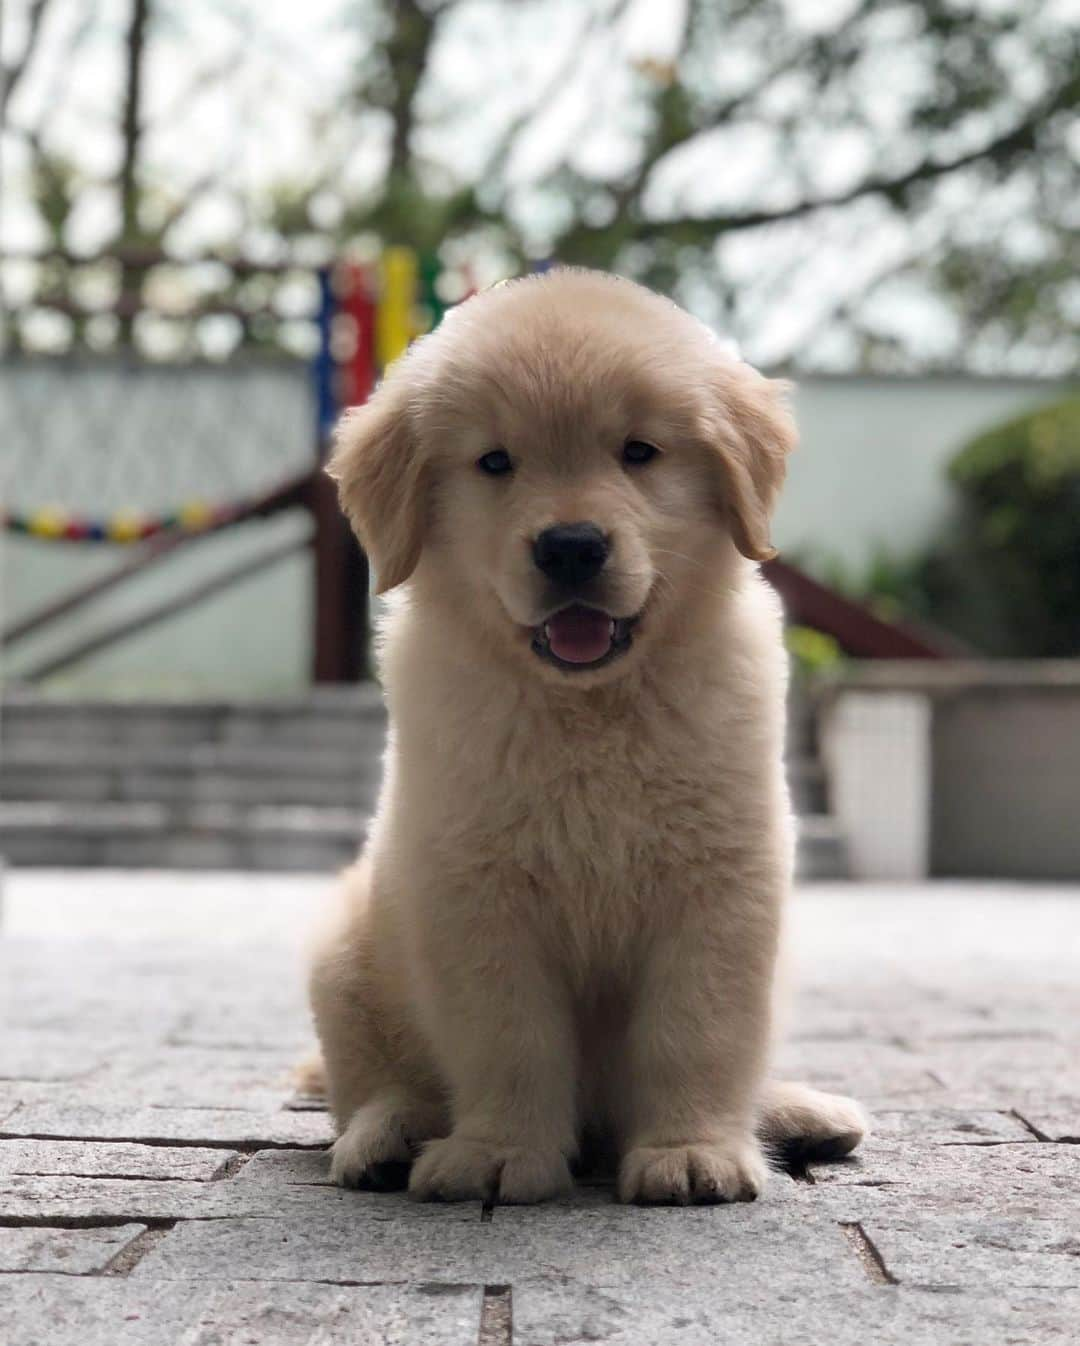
578,638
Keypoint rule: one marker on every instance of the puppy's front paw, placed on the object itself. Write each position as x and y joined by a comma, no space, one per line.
685,1175
372,1152
460,1169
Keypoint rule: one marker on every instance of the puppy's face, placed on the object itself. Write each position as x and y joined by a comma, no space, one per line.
570,504
572,458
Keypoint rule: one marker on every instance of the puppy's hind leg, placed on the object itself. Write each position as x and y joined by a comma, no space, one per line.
376,1150
799,1123
383,1101
310,1076
382,1115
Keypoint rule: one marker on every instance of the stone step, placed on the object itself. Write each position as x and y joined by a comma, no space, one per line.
801,722
240,773
822,849
205,773
159,836
334,718
262,785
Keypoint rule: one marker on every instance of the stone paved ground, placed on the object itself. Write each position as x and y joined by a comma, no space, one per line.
157,1184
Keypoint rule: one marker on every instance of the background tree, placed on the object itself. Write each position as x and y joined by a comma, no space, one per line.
877,183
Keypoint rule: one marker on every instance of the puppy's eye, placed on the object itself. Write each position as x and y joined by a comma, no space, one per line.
637,452
496,463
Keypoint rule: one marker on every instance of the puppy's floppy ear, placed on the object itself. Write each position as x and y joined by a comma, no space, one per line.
751,433
381,481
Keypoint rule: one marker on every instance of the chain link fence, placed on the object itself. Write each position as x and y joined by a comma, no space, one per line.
97,435
124,410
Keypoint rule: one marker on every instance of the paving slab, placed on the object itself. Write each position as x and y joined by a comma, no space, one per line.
69,1252
241,1128
103,1159
102,1201
1023,1178
553,1313
277,1169
170,1076
27,1056
786,1245
376,1240
923,1126
161,1182
66,1311
982,1252
882,1070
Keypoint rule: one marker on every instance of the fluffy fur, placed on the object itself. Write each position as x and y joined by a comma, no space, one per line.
566,916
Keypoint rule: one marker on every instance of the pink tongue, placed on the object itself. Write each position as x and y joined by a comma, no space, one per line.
579,635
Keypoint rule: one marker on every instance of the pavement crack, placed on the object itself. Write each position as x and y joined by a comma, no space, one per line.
107,1177
997,1035
173,1142
83,1221
992,1144
866,1251
229,1167
17,1273
496,1317
76,1078
112,1221
1029,1126
197,1107
131,1254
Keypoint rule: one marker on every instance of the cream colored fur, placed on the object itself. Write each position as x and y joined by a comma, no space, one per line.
567,912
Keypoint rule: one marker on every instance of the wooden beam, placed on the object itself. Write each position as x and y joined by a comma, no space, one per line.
341,591
854,627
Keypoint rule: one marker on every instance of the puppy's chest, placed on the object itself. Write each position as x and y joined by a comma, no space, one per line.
593,813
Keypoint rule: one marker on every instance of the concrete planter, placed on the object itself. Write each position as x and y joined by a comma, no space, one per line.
956,768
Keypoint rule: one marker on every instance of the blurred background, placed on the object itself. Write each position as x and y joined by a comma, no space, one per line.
219,220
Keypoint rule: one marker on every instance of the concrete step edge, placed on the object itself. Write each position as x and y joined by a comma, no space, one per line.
157,819
310,761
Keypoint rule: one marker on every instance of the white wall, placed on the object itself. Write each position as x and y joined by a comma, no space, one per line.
870,470
254,637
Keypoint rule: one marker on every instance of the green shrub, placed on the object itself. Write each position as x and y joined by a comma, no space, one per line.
811,651
1014,562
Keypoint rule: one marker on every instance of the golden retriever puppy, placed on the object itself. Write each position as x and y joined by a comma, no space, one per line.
567,912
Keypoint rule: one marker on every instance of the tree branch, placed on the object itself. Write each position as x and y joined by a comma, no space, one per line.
11,74
131,118
1002,148
407,51
670,131
661,139
661,144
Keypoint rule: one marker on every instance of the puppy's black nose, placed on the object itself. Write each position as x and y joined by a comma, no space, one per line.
571,553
